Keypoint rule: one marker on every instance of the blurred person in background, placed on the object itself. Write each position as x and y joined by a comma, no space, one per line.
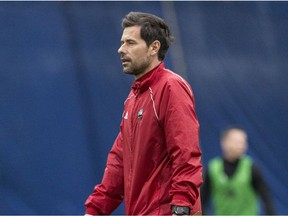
233,181
155,161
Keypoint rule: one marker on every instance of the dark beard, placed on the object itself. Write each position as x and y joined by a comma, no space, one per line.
137,70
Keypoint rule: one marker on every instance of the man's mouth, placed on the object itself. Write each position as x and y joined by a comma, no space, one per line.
124,61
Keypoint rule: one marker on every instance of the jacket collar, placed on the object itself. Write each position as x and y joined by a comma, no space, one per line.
143,83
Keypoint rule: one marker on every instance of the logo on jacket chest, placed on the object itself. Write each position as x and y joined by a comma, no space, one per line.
140,114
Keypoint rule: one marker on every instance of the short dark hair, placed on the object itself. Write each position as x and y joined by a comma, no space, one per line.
152,28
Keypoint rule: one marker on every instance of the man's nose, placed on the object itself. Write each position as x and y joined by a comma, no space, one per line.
121,49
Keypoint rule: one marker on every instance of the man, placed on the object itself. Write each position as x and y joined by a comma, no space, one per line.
155,161
234,181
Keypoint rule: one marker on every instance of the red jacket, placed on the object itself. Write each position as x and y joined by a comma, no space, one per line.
155,161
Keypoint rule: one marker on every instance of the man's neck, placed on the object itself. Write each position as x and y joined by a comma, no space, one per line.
153,65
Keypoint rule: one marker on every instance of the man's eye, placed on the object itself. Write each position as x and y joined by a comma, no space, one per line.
130,42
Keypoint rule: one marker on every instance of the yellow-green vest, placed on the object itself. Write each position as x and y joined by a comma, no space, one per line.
234,195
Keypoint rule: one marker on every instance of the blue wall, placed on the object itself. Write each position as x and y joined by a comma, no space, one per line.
62,90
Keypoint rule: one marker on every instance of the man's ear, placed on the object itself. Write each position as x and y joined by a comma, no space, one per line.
154,47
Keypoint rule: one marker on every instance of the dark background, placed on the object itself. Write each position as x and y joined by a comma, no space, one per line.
62,91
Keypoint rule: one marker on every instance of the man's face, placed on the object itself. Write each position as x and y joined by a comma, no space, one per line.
135,55
234,144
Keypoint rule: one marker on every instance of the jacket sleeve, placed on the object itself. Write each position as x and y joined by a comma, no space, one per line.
261,187
109,194
182,137
205,192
